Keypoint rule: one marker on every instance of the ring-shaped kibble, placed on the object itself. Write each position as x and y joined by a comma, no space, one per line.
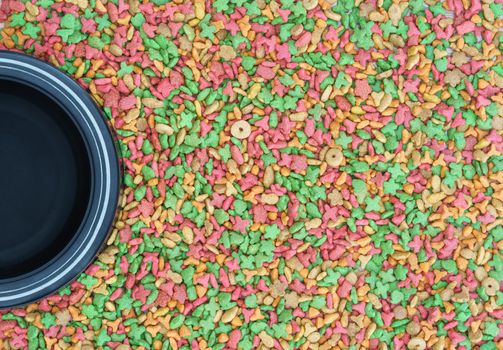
241,129
416,344
334,157
491,286
60,179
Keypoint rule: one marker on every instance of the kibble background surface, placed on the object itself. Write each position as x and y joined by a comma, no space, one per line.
299,174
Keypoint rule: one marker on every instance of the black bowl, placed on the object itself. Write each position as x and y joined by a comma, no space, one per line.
59,179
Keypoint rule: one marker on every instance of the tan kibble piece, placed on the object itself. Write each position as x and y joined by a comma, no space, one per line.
385,102
188,235
175,277
241,129
424,114
278,289
151,102
475,337
376,16
440,344
461,297
229,315
480,155
335,197
353,329
298,117
453,77
268,176
268,300
329,318
164,129
33,10
334,157
497,122
132,114
199,9
243,81
63,317
480,273
294,263
444,22
309,4
89,346
133,6
326,93
254,90
488,13
142,124
128,80
467,253
291,300
185,44
115,50
314,337
470,50
400,312
491,286
416,344
365,9
163,28
396,40
395,13
297,29
101,289
313,223
436,198
352,278
270,198
227,52
412,61
266,339
446,294
413,328
459,58
123,347
309,328
107,256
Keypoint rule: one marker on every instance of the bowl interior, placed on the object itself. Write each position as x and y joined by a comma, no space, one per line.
45,181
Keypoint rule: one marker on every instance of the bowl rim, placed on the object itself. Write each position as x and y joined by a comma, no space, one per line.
106,178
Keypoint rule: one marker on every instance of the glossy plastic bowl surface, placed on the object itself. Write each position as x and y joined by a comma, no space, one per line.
59,179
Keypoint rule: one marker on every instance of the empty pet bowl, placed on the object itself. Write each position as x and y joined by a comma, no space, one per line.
59,179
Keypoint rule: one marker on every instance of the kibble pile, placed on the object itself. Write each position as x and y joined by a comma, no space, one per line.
299,174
